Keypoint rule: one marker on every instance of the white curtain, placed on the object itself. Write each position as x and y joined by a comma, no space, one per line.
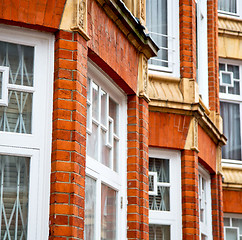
230,113
227,6
156,21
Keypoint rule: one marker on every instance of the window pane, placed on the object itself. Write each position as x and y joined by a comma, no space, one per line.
161,201
95,101
113,113
88,89
14,189
1,80
227,6
156,20
231,234
104,108
20,60
159,232
108,213
226,78
221,67
92,142
237,223
226,222
90,199
234,69
105,156
230,113
236,89
17,116
115,154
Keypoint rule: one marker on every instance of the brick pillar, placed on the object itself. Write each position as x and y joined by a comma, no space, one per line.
190,203
144,167
137,169
213,80
69,137
217,207
187,15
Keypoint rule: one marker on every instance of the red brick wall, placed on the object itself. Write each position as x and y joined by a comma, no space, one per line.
38,13
232,201
69,138
207,150
112,47
168,130
137,169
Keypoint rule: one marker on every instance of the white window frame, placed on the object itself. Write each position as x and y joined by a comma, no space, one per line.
205,228
230,216
173,43
36,145
103,174
202,50
5,74
236,15
174,216
232,98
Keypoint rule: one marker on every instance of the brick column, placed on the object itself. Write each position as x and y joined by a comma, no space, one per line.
69,138
217,207
137,169
213,80
190,202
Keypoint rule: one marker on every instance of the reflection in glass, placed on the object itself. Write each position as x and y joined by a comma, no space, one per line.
95,101
92,142
113,113
14,191
90,199
159,232
108,213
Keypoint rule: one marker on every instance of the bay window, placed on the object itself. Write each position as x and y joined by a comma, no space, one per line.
162,21
230,107
105,190
26,72
164,195
205,211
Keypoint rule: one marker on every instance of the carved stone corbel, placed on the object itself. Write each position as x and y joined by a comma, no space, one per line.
143,77
192,136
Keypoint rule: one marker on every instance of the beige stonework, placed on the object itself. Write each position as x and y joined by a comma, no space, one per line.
232,176
143,77
75,17
192,136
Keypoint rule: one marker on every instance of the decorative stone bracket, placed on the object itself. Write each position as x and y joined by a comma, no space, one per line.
143,77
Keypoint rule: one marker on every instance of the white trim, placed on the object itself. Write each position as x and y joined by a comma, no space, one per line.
117,180
230,14
174,216
206,227
5,74
173,42
41,137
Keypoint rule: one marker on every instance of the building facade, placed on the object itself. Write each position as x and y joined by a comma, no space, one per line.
230,15
110,120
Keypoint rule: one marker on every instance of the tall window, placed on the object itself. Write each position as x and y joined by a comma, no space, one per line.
105,189
230,107
26,68
205,212
202,49
162,20
164,195
229,6
233,227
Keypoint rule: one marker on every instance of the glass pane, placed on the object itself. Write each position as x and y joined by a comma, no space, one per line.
105,156
113,113
159,232
204,237
234,69
18,115
20,60
14,190
92,142
156,21
237,223
95,101
161,202
226,222
227,6
89,121
161,166
222,89
1,80
90,199
88,89
230,113
115,154
108,213
221,67
226,78
104,108
231,234
236,89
